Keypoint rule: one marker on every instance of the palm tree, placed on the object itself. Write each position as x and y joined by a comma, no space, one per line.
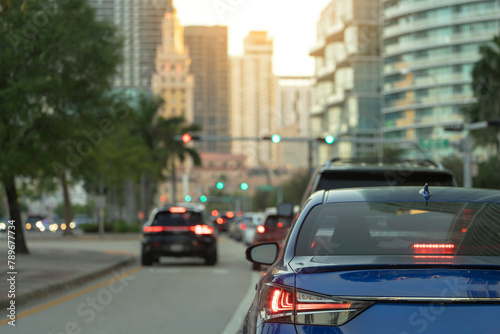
159,134
176,150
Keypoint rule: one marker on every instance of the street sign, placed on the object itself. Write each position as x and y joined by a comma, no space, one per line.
434,143
266,187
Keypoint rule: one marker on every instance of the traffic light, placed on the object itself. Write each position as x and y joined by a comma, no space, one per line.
494,122
244,186
203,199
187,198
329,139
276,138
219,185
454,127
186,138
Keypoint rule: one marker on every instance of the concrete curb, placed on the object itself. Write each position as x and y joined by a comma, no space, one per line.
75,281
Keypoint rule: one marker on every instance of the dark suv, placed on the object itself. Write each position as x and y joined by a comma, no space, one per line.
338,173
179,231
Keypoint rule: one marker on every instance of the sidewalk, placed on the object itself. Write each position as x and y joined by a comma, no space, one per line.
45,271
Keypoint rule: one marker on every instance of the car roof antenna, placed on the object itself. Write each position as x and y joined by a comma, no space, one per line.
425,193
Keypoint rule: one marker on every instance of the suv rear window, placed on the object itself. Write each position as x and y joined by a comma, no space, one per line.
401,228
188,218
273,221
338,179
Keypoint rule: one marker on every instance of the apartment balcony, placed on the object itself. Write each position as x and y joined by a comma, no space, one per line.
318,49
426,82
430,23
456,58
408,8
335,33
427,43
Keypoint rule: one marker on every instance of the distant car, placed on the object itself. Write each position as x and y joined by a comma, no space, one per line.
384,260
80,219
352,173
179,231
249,225
223,221
37,223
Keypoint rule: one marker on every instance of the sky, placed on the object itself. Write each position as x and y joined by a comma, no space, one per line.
291,23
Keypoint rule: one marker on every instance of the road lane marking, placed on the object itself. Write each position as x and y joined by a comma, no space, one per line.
235,323
72,296
165,270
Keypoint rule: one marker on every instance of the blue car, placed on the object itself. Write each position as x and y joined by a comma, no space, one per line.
397,260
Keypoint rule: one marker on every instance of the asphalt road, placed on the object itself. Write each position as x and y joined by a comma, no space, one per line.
177,296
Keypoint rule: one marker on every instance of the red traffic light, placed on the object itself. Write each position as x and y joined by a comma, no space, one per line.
186,138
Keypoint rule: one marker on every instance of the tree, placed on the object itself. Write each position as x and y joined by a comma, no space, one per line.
486,88
176,150
55,66
488,176
455,164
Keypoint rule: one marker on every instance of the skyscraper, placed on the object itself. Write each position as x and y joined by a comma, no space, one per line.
253,100
347,90
172,79
429,51
138,22
209,64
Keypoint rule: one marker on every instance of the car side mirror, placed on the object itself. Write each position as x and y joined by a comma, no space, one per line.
264,253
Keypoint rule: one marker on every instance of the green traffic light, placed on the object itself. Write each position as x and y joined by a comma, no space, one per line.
244,186
187,198
329,139
219,185
276,138
203,199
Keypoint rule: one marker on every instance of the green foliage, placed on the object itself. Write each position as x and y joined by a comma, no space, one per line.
488,176
455,164
485,85
76,209
294,188
118,226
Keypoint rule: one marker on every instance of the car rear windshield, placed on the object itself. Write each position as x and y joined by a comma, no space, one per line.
167,218
337,180
401,228
274,221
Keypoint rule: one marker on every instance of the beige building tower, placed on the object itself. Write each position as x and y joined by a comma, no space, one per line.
174,83
253,101
172,79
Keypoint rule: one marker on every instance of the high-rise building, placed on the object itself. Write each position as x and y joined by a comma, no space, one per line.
138,22
294,100
253,100
172,79
429,51
347,90
209,64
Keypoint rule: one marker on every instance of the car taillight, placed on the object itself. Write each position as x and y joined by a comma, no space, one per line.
280,224
152,229
433,248
202,229
286,305
243,227
261,229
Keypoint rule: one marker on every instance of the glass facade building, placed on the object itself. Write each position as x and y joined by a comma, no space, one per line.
348,85
429,50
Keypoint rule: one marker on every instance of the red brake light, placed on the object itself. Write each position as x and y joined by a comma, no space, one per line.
282,301
261,229
434,248
178,209
230,214
280,224
243,227
220,221
289,306
202,229
151,229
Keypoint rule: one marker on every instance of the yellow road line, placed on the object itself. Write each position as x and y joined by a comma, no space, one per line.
74,295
